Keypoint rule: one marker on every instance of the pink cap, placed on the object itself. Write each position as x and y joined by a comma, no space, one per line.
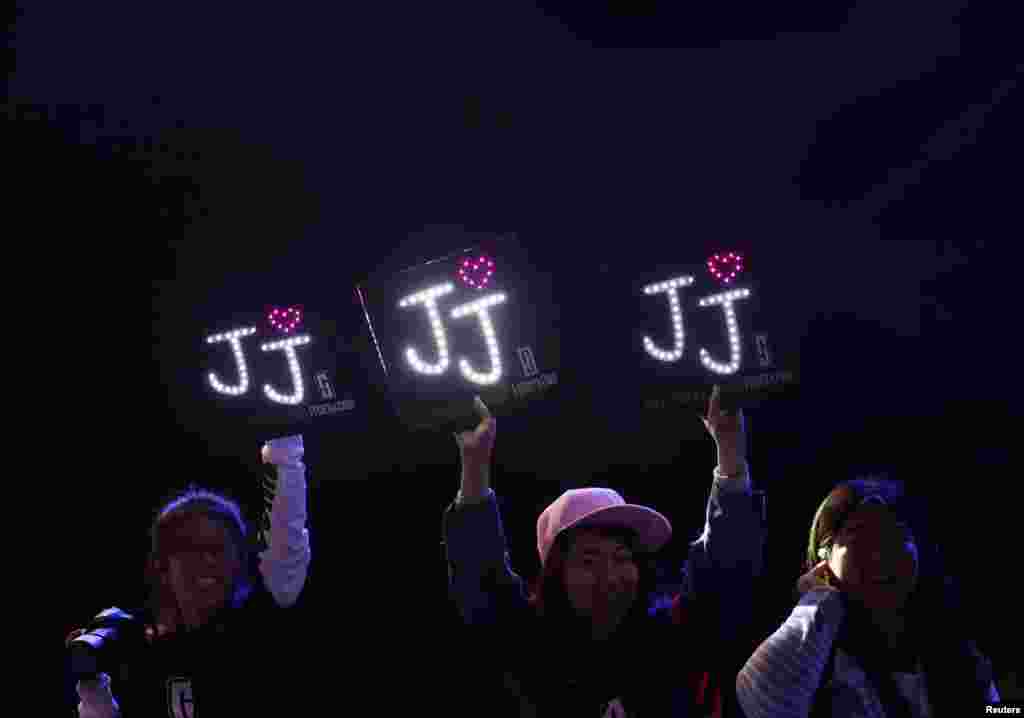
578,508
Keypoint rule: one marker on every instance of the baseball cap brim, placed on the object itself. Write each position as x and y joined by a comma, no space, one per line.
652,529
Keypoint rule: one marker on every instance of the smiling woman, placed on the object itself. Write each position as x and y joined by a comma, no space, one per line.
878,630
212,621
196,568
594,636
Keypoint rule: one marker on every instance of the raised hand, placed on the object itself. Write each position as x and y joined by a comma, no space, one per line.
475,448
728,429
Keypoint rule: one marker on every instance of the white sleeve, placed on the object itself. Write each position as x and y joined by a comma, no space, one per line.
285,563
96,699
782,676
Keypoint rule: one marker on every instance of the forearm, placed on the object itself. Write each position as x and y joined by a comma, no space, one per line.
288,532
731,456
285,563
474,482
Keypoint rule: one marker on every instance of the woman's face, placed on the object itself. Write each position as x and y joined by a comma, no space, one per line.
601,578
202,568
875,558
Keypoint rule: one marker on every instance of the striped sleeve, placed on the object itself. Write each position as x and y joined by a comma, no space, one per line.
285,563
782,676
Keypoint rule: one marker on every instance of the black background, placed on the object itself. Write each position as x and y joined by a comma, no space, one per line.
180,157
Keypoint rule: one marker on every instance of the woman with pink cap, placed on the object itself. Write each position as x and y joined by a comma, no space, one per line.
589,641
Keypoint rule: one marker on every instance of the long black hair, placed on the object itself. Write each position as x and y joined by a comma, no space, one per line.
957,676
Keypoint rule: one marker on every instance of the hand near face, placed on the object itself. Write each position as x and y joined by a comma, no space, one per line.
819,577
874,559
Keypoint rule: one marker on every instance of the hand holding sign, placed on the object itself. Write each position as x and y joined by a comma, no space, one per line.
729,432
713,332
475,448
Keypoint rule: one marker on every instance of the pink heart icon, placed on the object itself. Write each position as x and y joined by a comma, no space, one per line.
285,320
476,272
725,266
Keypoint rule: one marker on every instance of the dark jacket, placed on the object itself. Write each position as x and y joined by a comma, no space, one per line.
675,661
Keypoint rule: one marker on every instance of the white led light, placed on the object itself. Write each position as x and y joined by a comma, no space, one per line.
670,287
288,347
428,298
235,339
726,300
481,307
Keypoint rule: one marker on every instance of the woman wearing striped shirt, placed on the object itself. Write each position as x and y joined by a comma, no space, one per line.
877,631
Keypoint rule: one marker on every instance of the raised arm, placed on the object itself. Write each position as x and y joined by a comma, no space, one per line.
285,563
481,580
725,561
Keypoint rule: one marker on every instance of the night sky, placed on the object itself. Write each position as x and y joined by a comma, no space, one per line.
204,159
